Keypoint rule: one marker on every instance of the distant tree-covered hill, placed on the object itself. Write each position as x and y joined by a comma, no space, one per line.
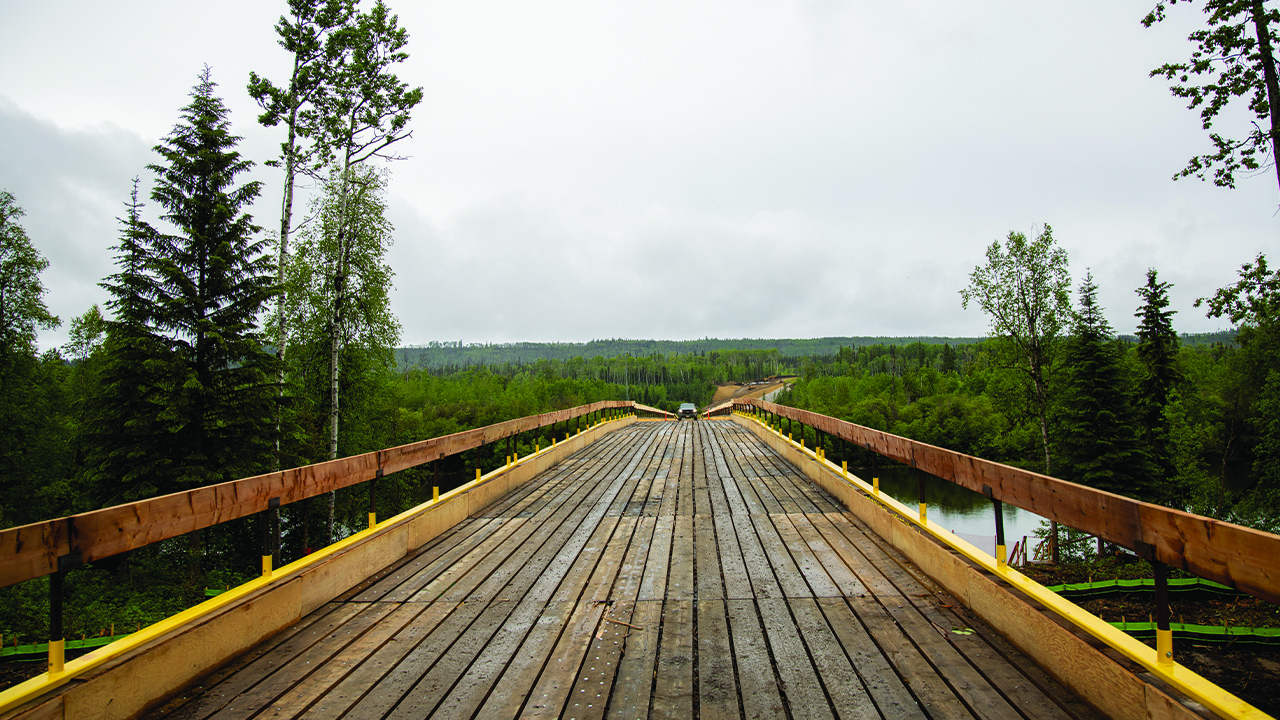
458,354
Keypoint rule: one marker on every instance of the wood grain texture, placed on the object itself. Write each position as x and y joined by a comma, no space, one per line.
1240,557
574,596
32,551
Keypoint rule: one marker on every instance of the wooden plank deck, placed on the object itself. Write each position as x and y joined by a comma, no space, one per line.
670,570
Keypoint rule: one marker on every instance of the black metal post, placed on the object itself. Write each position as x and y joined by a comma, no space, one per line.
1164,634
266,522
924,512
56,656
999,508
373,499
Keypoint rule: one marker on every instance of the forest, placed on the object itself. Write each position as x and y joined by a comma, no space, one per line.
227,351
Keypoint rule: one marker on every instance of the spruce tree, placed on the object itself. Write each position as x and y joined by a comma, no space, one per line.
126,444
1097,443
1160,377
213,279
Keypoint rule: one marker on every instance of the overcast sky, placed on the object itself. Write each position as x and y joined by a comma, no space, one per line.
676,169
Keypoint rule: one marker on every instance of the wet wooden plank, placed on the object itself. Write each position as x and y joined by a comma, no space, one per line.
811,569
849,699
370,672
717,684
707,558
640,583
550,696
799,678
330,673
383,696
260,662
498,655
761,696
784,566
680,580
289,674
654,584
673,677
632,690
885,687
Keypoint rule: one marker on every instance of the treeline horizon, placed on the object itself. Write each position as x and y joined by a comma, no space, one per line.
457,354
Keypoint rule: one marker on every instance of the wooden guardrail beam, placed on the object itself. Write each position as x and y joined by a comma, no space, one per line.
32,551
1236,556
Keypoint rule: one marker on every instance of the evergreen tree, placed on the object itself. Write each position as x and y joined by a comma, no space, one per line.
1159,379
212,280
1253,305
1097,443
23,414
949,362
127,447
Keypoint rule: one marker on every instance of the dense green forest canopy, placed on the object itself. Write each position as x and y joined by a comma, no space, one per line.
438,354
458,354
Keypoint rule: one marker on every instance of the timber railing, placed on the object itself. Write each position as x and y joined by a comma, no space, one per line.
1242,558
45,548
56,547
1238,557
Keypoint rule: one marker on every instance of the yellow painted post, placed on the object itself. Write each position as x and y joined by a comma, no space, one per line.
435,493
1164,633
801,443
477,474
924,513
1164,647
508,461
553,441
875,485
266,566
515,458
373,519
537,447
57,656
844,467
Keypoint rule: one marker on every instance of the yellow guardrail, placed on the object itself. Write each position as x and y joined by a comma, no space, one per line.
61,672
1158,660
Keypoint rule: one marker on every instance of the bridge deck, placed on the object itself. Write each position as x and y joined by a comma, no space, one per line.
671,570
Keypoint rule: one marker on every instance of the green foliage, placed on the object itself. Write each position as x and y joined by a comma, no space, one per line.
31,388
1253,304
758,358
187,396
1023,289
1233,59
338,295
125,443
308,34
22,308
1159,379
211,282
1095,424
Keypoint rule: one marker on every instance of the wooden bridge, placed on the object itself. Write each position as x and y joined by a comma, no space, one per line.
707,569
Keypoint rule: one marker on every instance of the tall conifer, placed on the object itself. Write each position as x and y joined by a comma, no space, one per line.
213,279
126,456
1097,443
1157,353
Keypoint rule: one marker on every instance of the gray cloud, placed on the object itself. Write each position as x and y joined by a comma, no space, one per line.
812,168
